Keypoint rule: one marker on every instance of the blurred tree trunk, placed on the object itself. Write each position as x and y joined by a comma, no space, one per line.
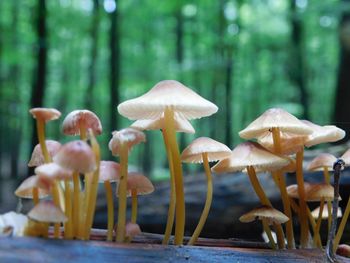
114,45
93,55
341,112
297,71
229,96
39,73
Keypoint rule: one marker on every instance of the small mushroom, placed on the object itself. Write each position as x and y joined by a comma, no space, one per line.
37,157
30,189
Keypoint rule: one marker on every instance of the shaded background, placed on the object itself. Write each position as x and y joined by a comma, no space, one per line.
245,56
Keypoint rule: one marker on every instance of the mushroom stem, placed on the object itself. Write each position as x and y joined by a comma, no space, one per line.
268,233
91,198
122,189
264,201
208,201
329,204
281,183
35,193
82,215
180,199
68,210
304,236
330,249
171,209
342,224
110,210
40,128
318,222
82,131
56,200
76,203
133,206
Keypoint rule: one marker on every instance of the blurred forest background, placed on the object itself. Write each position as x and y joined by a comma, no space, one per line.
243,55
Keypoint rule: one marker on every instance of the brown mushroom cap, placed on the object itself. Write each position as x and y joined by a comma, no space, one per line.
140,183
313,192
76,156
109,171
37,156
47,212
167,94
86,118
47,114
250,154
321,161
25,190
181,124
316,211
271,214
215,150
323,134
275,118
130,136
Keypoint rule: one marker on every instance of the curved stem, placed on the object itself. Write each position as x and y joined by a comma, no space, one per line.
318,222
133,206
68,234
342,224
122,193
35,193
268,233
208,201
76,202
110,210
171,209
327,180
40,128
180,198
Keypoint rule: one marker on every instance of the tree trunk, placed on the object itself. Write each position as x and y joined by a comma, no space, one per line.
341,113
114,45
228,98
94,48
297,73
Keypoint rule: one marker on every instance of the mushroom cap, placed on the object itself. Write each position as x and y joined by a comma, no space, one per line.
250,154
323,134
132,229
140,183
52,171
76,156
88,119
37,156
47,212
316,211
130,136
17,222
47,114
321,161
343,250
313,192
181,124
271,214
25,189
167,94
274,118
215,150
346,158
109,171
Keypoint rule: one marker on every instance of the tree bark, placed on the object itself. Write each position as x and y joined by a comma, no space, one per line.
341,112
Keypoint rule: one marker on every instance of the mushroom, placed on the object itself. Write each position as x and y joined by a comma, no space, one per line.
204,150
37,157
168,98
269,216
252,156
109,172
120,144
131,230
30,189
43,115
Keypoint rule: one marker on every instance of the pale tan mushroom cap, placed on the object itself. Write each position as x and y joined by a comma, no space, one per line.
346,158
323,134
250,154
109,171
52,171
271,214
25,189
47,212
181,124
313,192
275,118
86,118
214,149
140,183
37,156
76,156
316,211
47,114
130,136
321,161
167,94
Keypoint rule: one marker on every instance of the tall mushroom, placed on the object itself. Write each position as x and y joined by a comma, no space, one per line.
204,150
120,145
168,98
